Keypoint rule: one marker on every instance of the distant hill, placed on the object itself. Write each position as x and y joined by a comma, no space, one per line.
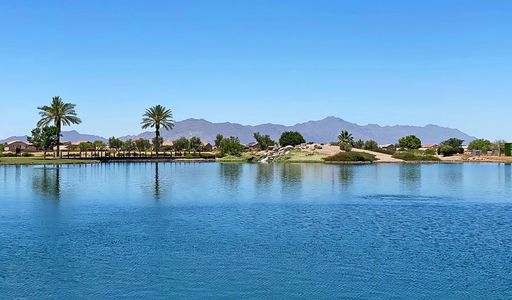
322,131
67,136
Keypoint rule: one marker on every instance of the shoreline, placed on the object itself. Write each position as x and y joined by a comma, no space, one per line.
41,162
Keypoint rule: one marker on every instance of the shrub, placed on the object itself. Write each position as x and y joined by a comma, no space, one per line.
410,142
359,144
414,156
347,147
371,145
291,138
207,155
189,156
26,154
481,144
447,150
430,152
351,156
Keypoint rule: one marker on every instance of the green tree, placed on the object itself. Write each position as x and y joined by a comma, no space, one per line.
345,140
409,142
218,140
115,143
264,140
371,145
481,144
181,144
99,145
359,144
60,114
128,145
450,147
142,145
231,146
291,138
2,148
195,143
156,117
44,138
447,150
86,146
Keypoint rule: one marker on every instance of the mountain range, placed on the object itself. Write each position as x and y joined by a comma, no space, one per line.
321,131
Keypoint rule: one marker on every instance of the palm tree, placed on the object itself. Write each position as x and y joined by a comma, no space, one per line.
156,117
58,113
345,140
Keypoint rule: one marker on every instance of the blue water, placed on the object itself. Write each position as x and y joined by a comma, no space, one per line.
309,231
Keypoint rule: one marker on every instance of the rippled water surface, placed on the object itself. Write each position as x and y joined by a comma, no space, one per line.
256,231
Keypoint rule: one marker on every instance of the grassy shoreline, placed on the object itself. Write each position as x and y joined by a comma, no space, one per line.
15,161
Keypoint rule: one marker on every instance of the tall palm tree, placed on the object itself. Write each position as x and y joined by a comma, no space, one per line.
157,116
58,113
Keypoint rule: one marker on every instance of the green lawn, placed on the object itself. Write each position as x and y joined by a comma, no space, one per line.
41,161
245,157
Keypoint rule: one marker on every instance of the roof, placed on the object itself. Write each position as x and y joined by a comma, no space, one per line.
386,145
17,141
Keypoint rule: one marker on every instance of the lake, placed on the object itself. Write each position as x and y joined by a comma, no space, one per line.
211,230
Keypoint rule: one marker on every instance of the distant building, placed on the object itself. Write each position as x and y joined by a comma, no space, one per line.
430,146
208,147
390,147
252,147
19,146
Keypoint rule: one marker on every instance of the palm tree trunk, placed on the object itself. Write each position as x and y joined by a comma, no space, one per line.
58,139
157,140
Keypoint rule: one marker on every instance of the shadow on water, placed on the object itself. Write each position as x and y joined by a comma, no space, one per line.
410,177
46,181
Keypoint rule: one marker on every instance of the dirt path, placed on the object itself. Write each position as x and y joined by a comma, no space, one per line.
382,158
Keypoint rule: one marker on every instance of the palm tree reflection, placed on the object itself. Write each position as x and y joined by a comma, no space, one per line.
46,181
157,182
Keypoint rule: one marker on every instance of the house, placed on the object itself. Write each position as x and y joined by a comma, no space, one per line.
252,147
208,147
429,146
19,146
390,147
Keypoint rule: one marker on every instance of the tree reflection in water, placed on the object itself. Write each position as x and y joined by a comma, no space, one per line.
230,173
410,176
46,181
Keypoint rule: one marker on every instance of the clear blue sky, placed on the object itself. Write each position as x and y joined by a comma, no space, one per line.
386,62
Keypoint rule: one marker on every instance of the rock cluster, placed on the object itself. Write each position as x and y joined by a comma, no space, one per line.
271,154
